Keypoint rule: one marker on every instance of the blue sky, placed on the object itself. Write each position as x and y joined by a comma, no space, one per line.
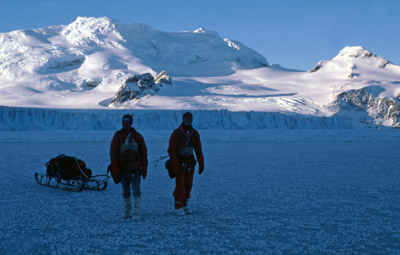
294,34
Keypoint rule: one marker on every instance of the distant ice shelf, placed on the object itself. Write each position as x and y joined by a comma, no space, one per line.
18,118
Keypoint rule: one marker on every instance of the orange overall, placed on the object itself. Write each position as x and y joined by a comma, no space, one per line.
181,145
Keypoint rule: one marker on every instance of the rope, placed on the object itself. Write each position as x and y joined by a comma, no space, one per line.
81,169
158,160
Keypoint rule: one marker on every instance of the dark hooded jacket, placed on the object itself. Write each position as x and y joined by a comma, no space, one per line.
128,160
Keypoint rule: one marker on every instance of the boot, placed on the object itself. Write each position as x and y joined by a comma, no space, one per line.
186,208
137,210
127,208
180,212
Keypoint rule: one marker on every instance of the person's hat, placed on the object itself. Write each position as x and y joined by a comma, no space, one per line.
128,118
187,115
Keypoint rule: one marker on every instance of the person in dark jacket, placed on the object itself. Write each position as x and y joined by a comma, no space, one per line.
128,153
183,144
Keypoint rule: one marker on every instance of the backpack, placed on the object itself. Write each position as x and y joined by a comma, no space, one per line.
67,168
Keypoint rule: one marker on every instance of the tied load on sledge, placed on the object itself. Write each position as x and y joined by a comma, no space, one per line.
70,173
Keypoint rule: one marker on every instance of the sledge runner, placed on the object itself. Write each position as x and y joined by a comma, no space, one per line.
128,154
183,143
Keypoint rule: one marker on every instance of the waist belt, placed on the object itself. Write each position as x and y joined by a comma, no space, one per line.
186,151
131,146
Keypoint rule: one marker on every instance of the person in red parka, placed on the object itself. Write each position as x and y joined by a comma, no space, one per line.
128,153
183,143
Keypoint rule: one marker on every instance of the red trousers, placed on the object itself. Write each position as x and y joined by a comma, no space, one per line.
183,187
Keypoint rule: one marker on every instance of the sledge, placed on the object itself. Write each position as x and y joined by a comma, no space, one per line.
69,173
97,182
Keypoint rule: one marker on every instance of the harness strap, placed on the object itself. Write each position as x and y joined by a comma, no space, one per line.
183,153
187,139
127,138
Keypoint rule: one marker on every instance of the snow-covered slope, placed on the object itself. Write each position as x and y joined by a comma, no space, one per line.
97,63
87,61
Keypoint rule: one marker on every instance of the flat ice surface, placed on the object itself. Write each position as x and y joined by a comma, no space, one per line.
262,192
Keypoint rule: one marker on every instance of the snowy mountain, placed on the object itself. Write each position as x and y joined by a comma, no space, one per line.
101,63
366,86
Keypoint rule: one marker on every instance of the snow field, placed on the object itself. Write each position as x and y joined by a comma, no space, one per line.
262,192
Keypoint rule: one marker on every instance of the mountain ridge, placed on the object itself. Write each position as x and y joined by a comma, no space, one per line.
85,64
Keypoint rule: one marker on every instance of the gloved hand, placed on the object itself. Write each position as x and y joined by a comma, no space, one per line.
115,172
143,171
201,166
143,168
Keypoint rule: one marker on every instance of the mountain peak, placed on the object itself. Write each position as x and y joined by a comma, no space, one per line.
358,52
200,30
349,58
205,31
100,24
89,29
355,52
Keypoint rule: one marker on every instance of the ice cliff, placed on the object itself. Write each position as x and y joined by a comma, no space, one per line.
15,118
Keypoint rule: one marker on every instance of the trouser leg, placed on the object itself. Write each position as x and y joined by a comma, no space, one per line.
137,211
135,181
126,194
179,192
188,187
126,179
183,188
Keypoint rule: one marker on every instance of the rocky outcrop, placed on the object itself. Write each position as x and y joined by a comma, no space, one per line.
315,69
163,77
140,85
62,63
88,83
352,75
380,109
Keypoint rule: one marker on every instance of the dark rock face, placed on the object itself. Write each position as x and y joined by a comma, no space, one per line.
381,109
91,83
352,75
317,67
140,85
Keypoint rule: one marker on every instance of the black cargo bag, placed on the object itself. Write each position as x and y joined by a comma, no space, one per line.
66,168
168,166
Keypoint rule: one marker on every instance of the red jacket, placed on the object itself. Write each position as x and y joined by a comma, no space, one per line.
176,142
129,160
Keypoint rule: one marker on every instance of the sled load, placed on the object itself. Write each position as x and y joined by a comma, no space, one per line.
70,173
